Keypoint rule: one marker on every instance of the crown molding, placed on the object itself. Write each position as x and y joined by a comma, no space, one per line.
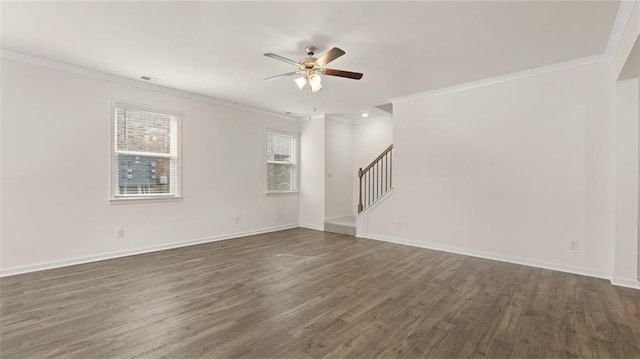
136,83
359,121
625,11
339,119
504,78
363,121
320,116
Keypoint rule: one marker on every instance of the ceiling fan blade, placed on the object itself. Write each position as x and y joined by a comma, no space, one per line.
340,73
329,56
278,57
282,75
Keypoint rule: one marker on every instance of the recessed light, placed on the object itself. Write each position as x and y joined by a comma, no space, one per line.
365,115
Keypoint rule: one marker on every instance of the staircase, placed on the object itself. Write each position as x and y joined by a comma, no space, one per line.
375,182
375,179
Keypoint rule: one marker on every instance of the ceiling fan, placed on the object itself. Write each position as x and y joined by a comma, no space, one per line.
310,68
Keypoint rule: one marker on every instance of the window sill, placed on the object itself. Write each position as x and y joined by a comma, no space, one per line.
278,193
128,200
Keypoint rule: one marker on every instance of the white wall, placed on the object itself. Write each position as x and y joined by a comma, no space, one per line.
626,146
371,136
627,134
513,170
55,171
516,170
339,172
624,57
312,171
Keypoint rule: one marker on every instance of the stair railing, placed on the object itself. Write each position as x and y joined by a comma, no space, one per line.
375,179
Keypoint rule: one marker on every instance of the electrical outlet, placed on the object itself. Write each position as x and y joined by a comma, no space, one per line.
573,245
119,232
237,219
399,224
280,215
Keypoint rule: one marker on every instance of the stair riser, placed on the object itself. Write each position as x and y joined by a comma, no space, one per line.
337,228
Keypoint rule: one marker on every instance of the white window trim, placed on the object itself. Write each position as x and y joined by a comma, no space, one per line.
295,163
144,198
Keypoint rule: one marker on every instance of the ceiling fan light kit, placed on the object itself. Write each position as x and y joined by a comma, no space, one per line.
313,79
310,68
315,82
301,81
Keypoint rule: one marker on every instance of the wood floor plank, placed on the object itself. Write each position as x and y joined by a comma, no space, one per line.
306,294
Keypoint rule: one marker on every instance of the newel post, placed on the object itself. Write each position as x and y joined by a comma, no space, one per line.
360,207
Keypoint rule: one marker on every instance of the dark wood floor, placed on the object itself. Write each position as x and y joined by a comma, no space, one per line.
306,294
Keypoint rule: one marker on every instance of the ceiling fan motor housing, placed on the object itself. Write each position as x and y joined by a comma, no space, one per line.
310,50
309,63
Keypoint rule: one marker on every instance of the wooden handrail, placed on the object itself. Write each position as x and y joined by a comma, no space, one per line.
376,183
384,153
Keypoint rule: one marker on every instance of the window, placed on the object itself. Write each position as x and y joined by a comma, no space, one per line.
281,162
145,153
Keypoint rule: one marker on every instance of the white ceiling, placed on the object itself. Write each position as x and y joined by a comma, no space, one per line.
216,48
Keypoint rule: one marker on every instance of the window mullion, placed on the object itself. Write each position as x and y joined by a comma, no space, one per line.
146,154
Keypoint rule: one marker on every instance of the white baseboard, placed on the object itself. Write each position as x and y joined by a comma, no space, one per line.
79,260
626,282
623,282
311,226
491,256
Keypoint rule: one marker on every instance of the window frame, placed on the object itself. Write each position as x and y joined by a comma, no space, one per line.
294,163
114,197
